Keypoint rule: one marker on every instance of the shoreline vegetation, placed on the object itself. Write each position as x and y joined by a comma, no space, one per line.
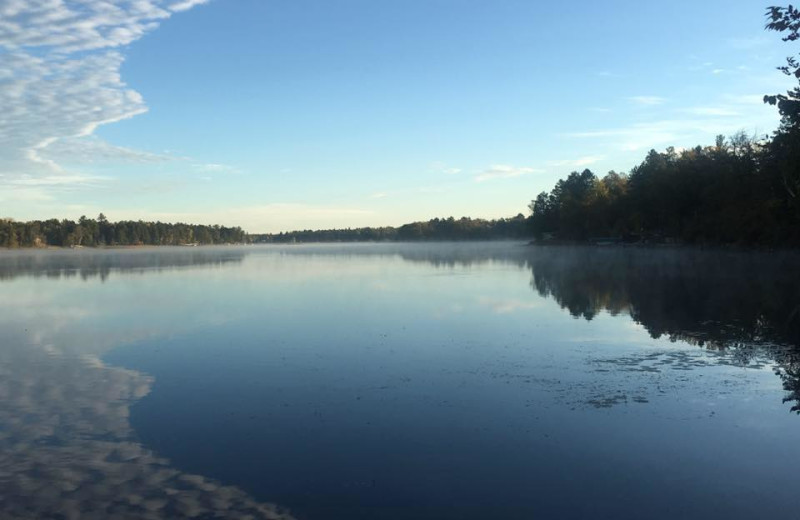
100,232
743,191
738,192
437,229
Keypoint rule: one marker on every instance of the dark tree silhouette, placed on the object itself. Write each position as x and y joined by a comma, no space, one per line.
436,229
100,232
786,19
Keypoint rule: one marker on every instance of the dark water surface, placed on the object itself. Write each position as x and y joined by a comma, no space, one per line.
420,381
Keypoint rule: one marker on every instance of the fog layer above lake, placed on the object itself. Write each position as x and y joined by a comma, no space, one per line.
388,381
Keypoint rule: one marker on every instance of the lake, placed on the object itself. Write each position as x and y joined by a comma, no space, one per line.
399,381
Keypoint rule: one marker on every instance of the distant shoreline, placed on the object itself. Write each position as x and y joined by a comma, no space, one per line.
114,247
527,243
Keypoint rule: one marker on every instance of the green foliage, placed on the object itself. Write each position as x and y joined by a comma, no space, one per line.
436,229
730,193
784,157
100,232
786,19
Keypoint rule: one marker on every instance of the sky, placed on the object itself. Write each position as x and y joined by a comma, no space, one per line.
277,115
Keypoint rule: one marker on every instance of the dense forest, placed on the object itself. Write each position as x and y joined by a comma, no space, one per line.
735,192
100,232
740,190
436,229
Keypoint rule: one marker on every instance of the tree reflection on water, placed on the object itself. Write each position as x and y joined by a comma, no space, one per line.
744,304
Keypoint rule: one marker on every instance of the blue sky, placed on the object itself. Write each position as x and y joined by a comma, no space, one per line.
280,115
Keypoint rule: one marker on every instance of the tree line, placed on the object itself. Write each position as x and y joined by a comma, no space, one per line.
101,232
450,228
733,192
740,190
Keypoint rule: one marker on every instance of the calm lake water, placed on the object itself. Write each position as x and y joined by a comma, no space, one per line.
417,381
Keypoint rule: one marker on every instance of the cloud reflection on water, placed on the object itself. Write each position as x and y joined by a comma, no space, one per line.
67,449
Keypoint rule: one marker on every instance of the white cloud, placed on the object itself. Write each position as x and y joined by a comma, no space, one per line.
441,167
668,132
504,171
746,99
185,5
719,111
17,194
91,149
66,26
576,163
648,100
749,43
55,180
216,168
638,136
60,79
434,189
508,306
689,126
41,188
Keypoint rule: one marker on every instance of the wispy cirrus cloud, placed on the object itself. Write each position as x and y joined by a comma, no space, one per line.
648,101
745,99
60,79
41,188
749,43
508,306
640,136
23,194
216,168
666,132
55,180
441,167
185,5
504,171
576,163
688,126
91,149
714,111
